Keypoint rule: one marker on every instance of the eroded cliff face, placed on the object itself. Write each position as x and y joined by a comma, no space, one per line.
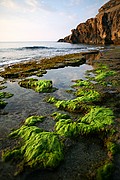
103,29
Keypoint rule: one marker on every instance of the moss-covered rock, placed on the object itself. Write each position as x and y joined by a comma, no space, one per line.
38,148
38,85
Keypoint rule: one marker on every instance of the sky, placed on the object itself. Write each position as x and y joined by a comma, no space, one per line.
43,20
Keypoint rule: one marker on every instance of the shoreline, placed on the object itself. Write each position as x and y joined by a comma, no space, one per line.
110,58
28,68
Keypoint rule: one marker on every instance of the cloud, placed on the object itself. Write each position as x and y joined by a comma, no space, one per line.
25,6
9,4
32,4
75,2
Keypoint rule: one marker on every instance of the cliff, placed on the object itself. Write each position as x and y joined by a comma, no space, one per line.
103,29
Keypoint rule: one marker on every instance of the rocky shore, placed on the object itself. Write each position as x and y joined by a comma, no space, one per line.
86,148
103,29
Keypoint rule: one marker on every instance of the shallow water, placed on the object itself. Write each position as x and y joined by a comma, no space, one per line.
27,102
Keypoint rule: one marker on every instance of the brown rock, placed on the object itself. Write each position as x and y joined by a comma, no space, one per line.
103,29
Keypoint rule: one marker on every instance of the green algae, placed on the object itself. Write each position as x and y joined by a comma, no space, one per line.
112,147
8,155
2,87
98,118
41,72
2,96
38,148
77,103
71,105
57,116
2,104
105,171
32,120
81,83
25,132
88,95
5,95
66,127
101,114
43,86
38,85
102,75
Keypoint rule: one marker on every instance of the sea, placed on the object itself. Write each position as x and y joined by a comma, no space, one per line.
16,52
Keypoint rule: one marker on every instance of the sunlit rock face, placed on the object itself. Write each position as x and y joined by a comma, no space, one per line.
103,29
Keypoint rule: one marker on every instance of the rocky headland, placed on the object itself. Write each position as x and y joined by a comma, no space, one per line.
103,29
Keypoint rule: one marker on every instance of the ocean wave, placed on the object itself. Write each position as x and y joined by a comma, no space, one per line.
25,48
34,48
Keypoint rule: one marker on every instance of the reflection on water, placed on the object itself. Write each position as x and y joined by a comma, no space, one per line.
27,102
62,77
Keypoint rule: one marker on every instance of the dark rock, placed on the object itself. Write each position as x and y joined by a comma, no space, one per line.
103,29
61,40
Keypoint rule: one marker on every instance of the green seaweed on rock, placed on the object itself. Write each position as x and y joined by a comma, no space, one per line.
5,95
112,147
97,120
88,95
67,128
41,72
101,114
38,148
2,104
81,83
2,87
57,116
32,120
2,96
77,103
71,105
38,85
14,154
101,75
